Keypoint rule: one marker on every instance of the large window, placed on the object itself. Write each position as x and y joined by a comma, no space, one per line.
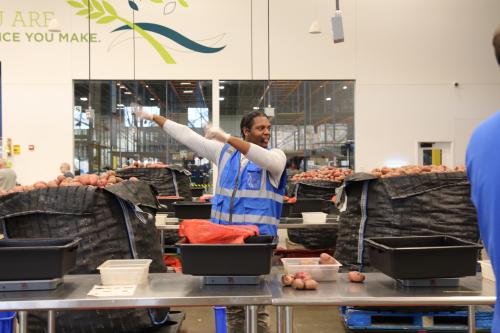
109,136
313,120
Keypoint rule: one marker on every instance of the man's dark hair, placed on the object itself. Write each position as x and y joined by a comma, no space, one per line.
247,120
496,44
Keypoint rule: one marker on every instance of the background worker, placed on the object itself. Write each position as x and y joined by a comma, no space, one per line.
7,176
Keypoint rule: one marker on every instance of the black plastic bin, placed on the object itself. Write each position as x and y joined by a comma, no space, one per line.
310,205
286,211
423,257
166,203
37,259
192,210
250,259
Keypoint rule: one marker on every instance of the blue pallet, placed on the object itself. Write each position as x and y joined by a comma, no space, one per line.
394,320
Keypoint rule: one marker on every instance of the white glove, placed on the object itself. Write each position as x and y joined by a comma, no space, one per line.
140,113
213,132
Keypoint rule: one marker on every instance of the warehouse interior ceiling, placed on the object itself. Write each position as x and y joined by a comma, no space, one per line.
329,100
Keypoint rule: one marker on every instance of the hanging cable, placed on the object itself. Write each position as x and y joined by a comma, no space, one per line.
268,56
251,38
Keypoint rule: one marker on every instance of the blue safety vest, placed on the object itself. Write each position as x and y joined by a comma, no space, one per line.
245,195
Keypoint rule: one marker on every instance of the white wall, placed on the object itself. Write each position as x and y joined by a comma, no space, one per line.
404,56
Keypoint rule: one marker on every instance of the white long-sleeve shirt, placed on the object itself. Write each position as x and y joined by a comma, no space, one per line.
273,160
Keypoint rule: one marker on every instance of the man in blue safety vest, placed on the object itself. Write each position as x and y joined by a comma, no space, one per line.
251,179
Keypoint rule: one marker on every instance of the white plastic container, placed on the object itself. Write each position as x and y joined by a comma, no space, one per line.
313,217
311,265
487,270
124,271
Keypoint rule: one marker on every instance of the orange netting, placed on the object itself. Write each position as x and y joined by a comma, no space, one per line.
206,232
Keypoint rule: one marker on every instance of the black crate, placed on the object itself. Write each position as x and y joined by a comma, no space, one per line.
250,259
197,192
37,259
423,257
166,203
310,205
286,211
192,210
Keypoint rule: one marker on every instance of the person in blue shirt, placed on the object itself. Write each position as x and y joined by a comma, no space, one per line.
483,171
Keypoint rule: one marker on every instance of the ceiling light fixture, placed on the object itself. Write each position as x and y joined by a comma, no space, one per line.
344,87
221,98
185,83
127,93
84,99
187,91
256,108
221,87
151,99
328,99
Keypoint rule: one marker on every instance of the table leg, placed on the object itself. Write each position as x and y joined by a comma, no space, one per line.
288,319
251,318
51,321
23,321
279,319
472,319
162,241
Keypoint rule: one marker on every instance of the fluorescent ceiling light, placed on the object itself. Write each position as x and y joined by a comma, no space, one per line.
321,86
344,87
127,93
84,99
255,107
123,87
221,87
151,99
222,81
187,91
221,98
328,99
118,84
120,105
185,83
147,86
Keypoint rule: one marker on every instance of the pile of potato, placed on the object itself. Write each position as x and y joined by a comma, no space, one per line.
107,179
303,280
328,173
386,172
139,164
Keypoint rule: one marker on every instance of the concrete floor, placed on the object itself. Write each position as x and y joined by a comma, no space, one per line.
306,320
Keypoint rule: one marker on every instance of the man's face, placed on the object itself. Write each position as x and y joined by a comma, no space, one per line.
260,132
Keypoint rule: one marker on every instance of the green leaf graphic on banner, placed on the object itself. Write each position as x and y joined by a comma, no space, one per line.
75,4
106,19
110,9
96,10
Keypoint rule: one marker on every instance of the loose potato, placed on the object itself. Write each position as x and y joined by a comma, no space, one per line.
311,284
287,280
133,179
52,183
298,284
355,276
326,259
308,262
93,179
303,275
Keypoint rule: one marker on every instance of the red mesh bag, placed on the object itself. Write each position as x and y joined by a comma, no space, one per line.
206,232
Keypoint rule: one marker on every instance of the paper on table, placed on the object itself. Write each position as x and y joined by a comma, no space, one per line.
100,291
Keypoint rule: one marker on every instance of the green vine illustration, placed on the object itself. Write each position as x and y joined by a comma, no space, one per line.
103,12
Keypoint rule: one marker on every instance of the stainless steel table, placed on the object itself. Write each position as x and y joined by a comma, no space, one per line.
380,290
162,290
